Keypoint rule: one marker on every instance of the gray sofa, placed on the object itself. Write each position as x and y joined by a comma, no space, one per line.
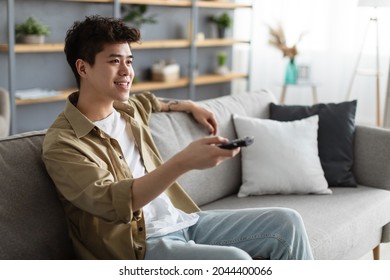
344,225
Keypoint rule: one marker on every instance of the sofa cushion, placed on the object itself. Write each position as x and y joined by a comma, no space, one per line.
32,220
281,153
334,232
335,136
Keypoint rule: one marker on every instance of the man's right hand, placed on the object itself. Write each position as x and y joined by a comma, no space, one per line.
204,153
200,154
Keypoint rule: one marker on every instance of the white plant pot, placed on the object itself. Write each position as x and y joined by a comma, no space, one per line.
32,39
222,70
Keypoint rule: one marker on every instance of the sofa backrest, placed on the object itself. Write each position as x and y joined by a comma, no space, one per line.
174,131
32,220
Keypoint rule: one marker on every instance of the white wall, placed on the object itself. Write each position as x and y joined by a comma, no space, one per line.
335,32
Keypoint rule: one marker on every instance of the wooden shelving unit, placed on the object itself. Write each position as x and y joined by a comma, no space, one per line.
145,86
61,97
158,44
34,48
90,1
219,42
173,3
214,79
191,83
221,5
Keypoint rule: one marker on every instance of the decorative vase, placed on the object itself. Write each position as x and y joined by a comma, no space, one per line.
291,75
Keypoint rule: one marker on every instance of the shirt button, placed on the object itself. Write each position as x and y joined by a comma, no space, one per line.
120,157
139,248
140,229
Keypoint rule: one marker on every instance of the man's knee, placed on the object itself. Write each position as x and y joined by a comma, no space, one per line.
295,234
290,218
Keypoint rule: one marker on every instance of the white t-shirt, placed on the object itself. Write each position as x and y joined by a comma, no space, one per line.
161,217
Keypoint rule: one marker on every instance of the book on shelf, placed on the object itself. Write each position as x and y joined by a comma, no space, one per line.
35,93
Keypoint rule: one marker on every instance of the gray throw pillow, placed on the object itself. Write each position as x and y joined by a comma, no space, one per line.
335,136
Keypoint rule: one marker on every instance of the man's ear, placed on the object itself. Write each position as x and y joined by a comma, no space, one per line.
80,66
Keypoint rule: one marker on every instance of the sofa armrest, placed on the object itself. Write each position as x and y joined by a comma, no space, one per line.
372,157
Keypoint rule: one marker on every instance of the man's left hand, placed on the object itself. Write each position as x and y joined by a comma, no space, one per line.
205,118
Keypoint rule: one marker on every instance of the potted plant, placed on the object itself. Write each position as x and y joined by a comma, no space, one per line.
31,31
222,68
222,22
135,14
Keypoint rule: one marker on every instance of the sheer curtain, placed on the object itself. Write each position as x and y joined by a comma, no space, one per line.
334,32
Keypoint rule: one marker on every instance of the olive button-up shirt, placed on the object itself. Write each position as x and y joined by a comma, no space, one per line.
95,183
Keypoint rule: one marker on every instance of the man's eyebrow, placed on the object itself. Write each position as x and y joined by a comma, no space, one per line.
120,55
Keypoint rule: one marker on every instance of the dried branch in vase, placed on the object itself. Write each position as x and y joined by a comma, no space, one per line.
278,40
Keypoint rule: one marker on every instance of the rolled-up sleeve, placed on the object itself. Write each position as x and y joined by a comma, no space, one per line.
147,103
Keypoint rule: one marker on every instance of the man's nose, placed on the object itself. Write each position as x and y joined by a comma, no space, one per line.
125,70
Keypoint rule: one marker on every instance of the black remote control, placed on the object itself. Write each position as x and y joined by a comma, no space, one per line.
242,142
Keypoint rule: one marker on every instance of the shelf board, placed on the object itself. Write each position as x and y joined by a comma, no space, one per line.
61,97
161,44
90,1
59,47
144,86
214,79
34,48
137,87
156,44
219,42
177,3
221,5
174,3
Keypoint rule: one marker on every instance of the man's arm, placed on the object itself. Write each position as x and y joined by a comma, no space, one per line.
200,114
200,154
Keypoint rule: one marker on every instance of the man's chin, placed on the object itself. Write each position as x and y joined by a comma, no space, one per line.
123,96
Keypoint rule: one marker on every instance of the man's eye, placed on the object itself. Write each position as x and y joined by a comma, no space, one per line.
115,61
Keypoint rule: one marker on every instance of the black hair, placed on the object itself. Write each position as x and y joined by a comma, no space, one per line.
86,38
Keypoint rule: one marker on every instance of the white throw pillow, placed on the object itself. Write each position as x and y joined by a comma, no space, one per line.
283,158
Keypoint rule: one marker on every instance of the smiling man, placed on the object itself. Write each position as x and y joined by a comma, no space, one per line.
121,200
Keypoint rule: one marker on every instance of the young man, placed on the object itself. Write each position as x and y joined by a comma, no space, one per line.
121,200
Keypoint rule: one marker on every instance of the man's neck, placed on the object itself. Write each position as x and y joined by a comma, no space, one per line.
93,108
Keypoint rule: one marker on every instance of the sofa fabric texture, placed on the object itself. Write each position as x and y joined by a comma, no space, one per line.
343,225
32,220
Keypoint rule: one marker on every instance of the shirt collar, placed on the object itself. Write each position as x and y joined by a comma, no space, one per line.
79,122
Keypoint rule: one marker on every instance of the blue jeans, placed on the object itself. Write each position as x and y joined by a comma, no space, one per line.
264,233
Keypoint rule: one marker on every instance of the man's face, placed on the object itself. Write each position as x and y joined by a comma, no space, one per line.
111,76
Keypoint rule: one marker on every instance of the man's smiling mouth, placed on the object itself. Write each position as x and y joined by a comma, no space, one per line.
122,83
